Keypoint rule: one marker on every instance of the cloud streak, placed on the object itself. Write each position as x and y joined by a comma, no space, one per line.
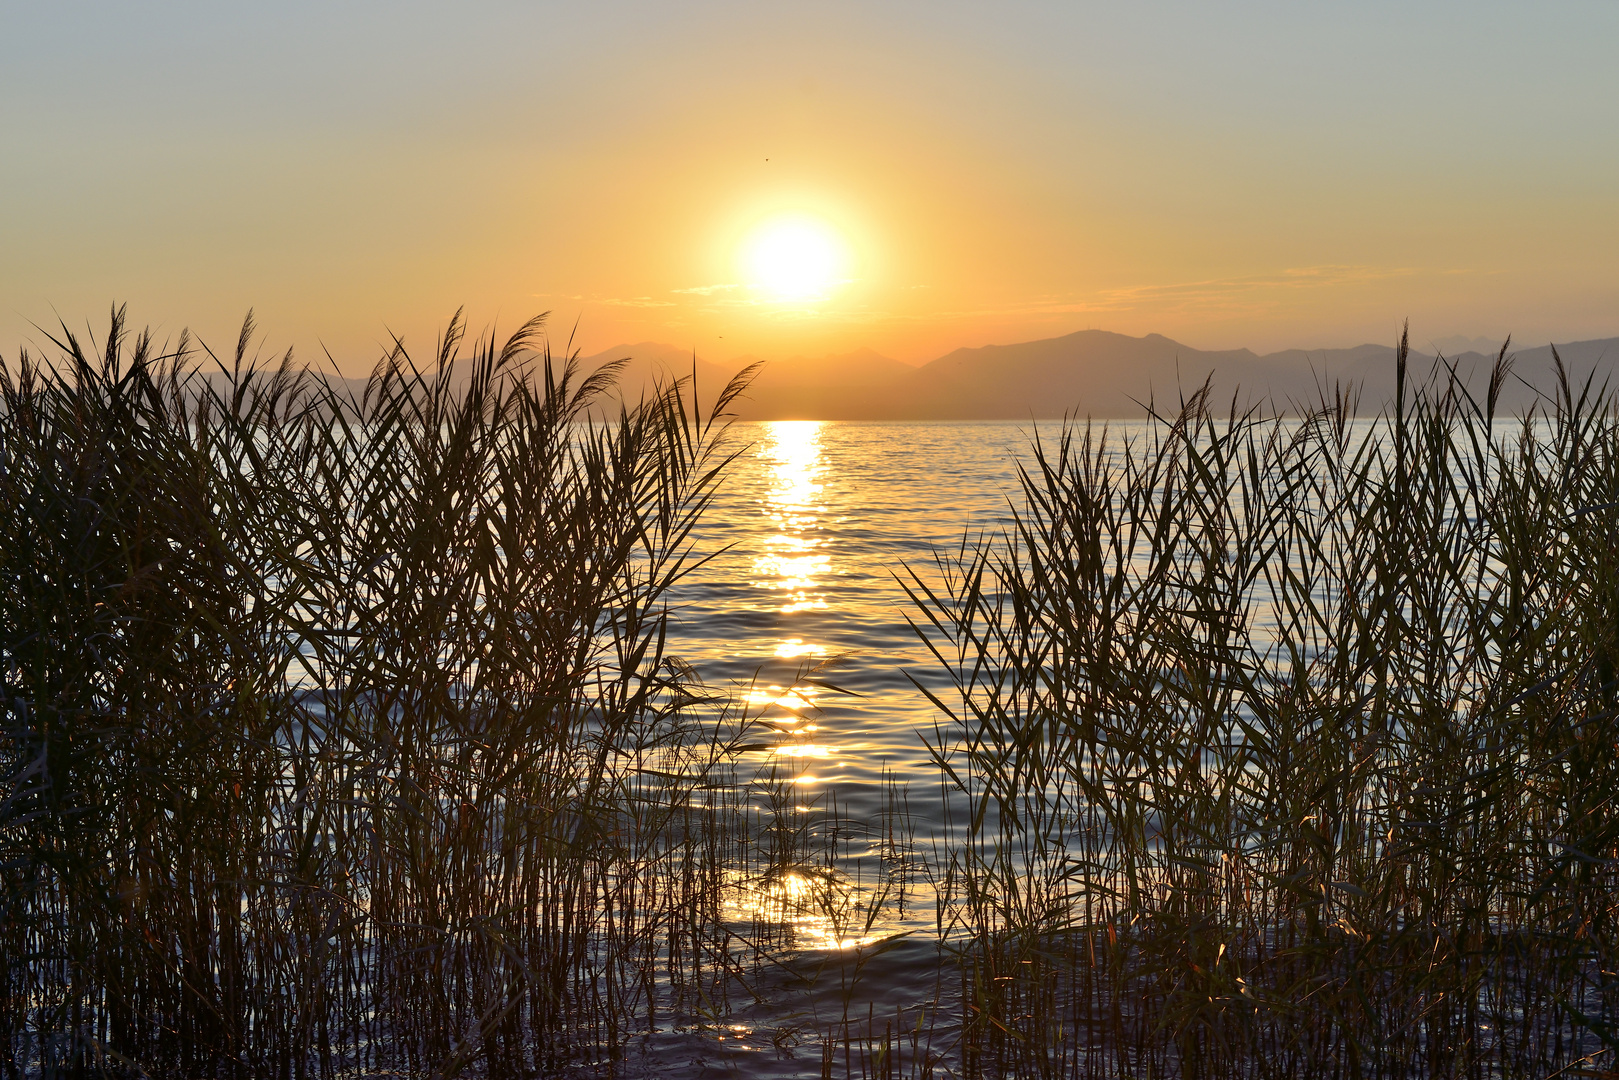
1233,295
1245,295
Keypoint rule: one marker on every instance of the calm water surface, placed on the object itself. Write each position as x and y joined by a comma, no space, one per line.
816,519
813,524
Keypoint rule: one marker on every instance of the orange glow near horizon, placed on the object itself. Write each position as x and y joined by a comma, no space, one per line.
885,177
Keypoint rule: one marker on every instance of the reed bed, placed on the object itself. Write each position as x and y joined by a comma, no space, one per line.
1286,746
342,735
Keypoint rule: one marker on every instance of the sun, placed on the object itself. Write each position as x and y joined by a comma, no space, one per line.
795,259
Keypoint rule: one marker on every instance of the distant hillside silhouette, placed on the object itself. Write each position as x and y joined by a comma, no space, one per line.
1091,372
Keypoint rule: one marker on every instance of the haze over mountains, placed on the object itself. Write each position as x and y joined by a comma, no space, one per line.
1088,373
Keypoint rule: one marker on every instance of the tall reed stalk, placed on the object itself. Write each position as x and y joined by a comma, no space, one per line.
341,733
1287,746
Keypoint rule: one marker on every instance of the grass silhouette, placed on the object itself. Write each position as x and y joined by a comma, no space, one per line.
1288,744
343,736
341,731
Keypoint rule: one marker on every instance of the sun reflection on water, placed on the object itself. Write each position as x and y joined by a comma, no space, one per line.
803,750
795,699
823,911
792,564
794,559
793,648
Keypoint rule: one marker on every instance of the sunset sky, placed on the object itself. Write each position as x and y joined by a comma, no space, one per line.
1262,175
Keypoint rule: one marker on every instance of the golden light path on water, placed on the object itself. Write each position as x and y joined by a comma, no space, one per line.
792,565
799,602
794,559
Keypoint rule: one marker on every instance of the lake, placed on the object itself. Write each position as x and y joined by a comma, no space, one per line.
805,538
807,534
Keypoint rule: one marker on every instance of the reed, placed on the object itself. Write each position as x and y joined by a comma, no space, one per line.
343,735
341,730
1286,745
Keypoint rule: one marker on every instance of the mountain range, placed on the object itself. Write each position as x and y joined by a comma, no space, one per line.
1088,373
